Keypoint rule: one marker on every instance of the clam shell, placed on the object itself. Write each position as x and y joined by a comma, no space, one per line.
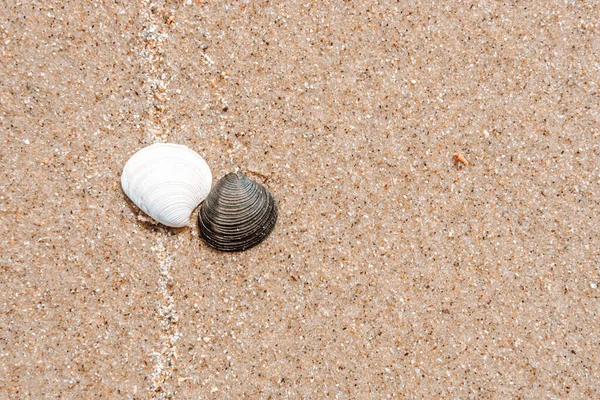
167,181
237,214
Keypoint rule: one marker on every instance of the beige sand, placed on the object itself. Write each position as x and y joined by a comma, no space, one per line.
394,270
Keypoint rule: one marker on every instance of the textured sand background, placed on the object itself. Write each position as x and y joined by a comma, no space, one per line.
393,272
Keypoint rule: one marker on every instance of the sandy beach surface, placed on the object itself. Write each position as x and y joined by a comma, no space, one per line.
394,271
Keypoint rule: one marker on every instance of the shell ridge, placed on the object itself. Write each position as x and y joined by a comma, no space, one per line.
238,214
167,181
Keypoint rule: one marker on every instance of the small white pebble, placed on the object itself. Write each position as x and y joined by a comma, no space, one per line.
593,285
26,141
206,339
215,389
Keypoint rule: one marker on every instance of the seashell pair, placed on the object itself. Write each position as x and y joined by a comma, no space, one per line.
168,181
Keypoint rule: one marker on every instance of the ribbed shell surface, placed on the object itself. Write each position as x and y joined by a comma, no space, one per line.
167,181
237,214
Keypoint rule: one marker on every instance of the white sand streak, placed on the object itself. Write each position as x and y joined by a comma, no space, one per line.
165,357
156,73
155,70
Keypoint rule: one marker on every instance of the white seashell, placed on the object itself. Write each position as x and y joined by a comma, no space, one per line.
167,181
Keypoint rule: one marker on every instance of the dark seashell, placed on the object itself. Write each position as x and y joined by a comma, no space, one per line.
237,214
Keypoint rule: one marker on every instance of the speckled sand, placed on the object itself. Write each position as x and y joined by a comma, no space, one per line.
393,272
